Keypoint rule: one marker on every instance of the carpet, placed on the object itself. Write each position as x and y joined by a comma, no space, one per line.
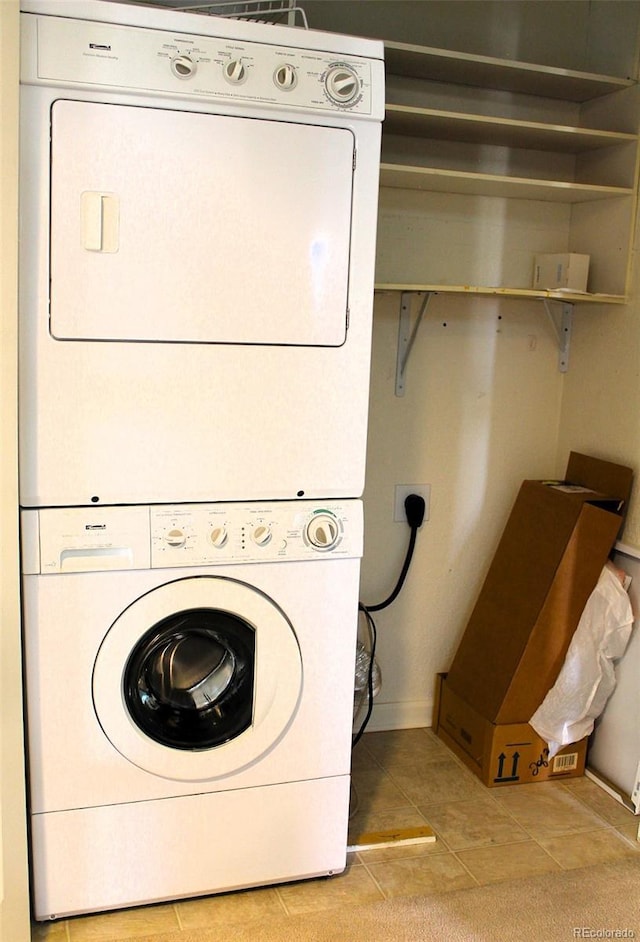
601,902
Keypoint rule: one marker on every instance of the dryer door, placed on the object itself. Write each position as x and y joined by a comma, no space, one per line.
179,226
198,678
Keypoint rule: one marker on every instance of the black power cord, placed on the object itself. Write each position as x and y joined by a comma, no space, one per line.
414,508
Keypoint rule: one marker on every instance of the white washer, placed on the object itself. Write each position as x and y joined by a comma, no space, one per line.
189,685
198,215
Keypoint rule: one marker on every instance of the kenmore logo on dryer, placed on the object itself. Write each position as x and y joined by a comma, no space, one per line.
95,526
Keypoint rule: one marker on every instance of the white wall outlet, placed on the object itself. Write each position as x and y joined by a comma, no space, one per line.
402,491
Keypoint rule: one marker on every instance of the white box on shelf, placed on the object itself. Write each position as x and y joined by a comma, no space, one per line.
568,270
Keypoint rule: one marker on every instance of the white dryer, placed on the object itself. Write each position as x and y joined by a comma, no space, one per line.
198,216
189,685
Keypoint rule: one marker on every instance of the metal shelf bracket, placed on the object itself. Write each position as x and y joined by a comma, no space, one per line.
407,335
561,322
562,327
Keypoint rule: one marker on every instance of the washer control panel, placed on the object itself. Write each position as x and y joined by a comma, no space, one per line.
80,53
99,539
194,534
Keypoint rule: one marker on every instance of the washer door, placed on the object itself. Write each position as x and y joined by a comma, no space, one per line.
198,678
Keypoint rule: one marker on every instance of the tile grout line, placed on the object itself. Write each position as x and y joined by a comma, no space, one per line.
177,915
569,791
569,833
568,788
611,828
532,839
377,884
462,864
410,800
282,902
581,866
632,841
587,807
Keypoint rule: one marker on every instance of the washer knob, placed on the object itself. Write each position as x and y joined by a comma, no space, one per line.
235,72
176,537
218,536
323,531
261,534
342,84
183,67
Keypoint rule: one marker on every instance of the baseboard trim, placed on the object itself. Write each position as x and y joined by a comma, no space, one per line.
404,714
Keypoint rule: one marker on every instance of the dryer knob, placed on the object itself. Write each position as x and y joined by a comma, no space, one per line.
342,84
323,531
285,77
176,537
183,67
235,72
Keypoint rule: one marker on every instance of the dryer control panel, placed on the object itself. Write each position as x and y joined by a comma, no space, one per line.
78,53
100,539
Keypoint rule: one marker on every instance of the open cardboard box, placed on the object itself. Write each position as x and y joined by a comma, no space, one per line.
500,754
555,543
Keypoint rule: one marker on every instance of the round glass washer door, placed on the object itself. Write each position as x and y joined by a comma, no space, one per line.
198,678
189,681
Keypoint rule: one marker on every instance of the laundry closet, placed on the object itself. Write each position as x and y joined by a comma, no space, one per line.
492,391
492,387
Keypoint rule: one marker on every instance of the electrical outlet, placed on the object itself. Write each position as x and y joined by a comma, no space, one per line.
402,491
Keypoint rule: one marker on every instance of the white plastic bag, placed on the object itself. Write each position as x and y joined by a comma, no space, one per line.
587,678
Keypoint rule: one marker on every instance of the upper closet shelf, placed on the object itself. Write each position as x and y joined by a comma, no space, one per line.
443,65
457,126
561,144
487,184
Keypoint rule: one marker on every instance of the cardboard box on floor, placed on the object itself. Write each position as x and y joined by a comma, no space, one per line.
555,543
504,753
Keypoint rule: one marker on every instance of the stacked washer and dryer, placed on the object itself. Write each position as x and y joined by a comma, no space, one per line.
198,211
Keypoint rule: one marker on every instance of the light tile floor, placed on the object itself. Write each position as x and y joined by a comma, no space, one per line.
405,778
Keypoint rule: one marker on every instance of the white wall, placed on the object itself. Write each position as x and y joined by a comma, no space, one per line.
600,413
14,906
479,415
485,408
